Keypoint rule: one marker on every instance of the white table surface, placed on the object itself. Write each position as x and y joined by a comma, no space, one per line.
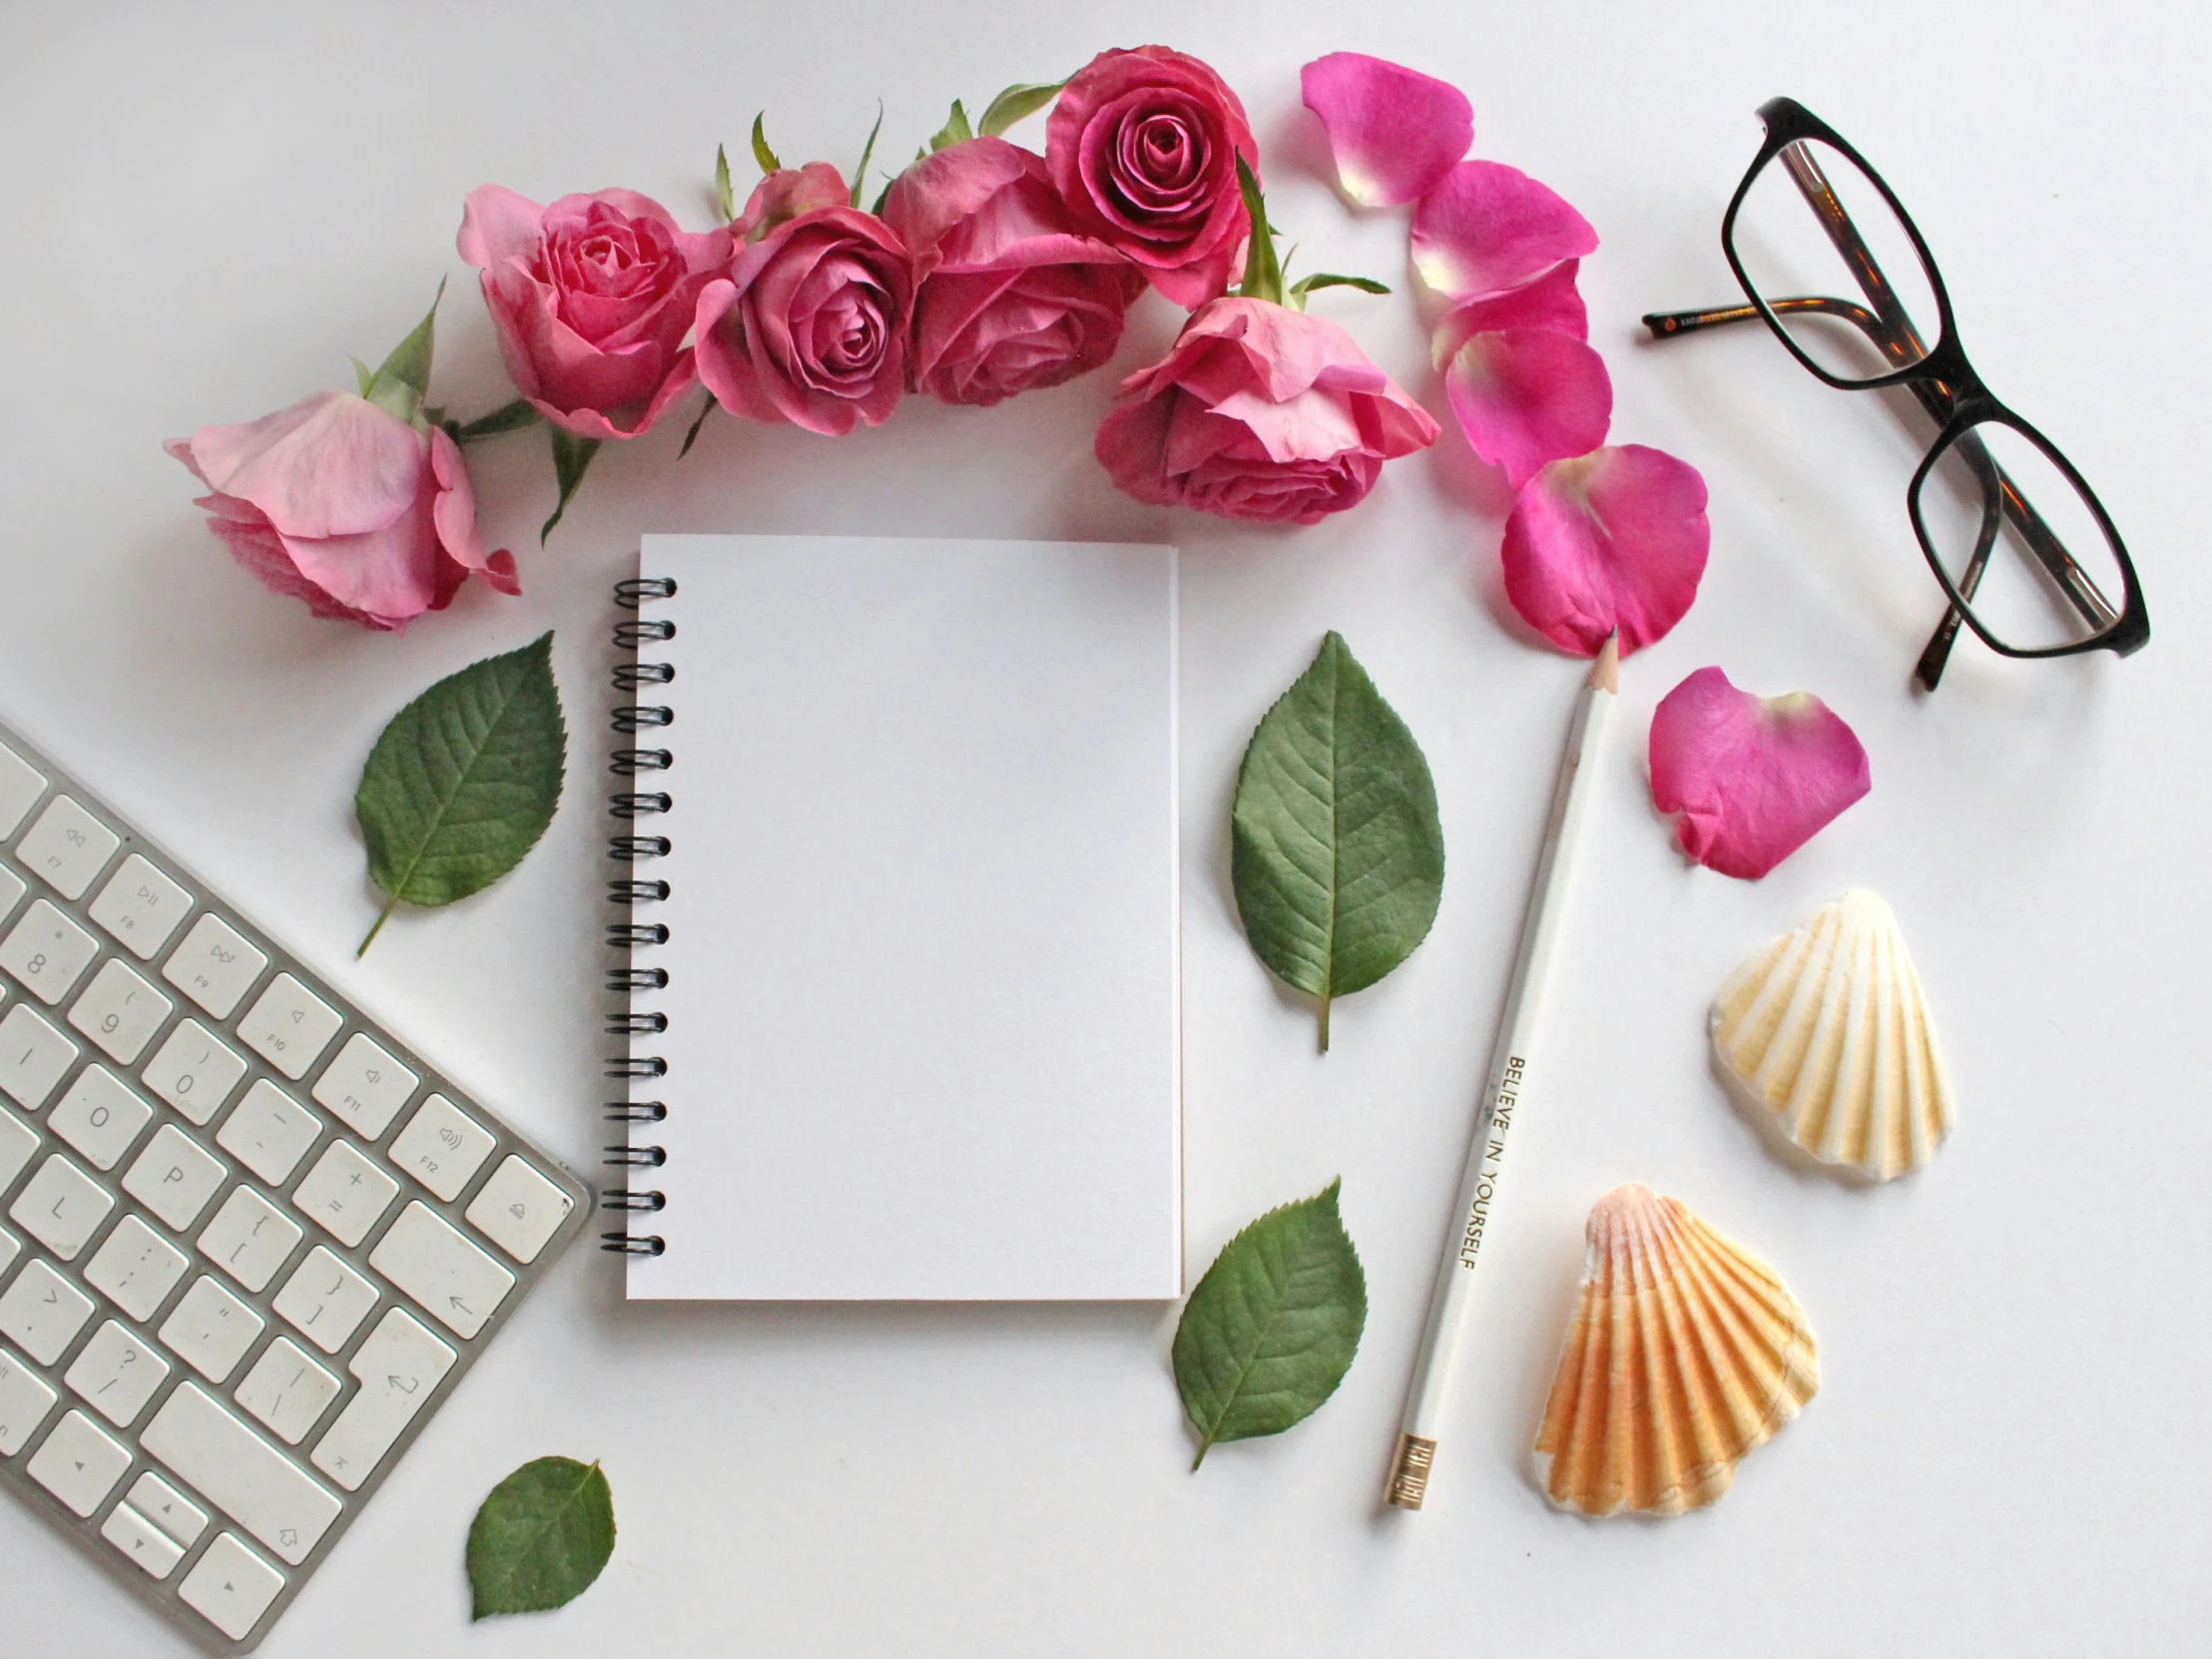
209,206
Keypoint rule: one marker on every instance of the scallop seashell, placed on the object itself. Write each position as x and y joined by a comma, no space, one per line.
1684,1354
1826,1033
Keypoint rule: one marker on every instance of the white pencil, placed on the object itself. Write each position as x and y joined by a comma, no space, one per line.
1514,1072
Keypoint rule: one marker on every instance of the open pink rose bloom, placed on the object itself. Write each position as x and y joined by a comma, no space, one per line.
1008,298
337,503
1613,539
1753,778
1394,131
591,298
1260,412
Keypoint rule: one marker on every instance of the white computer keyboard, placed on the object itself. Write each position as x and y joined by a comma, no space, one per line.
249,1242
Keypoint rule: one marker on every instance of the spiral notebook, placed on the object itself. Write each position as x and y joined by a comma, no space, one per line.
893,871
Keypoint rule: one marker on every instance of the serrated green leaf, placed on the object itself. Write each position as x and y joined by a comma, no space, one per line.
403,381
1337,854
724,198
571,458
954,130
1262,276
464,780
868,154
1330,280
1273,1327
1017,103
541,1539
761,152
518,416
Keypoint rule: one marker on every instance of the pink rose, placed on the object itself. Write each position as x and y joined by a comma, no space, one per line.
1259,411
349,508
591,297
1143,148
1008,298
808,325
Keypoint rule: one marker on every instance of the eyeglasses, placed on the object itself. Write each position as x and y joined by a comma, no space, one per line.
2025,552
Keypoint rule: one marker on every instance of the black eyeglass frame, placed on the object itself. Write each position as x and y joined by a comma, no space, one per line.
1946,387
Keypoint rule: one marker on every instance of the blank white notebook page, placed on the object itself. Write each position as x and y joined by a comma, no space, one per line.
923,1002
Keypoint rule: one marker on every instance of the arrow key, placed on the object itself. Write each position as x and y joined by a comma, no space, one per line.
142,1541
230,1587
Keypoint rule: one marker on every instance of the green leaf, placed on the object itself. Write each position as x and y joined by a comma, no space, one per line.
867,153
1330,280
1017,103
761,152
724,198
691,437
363,374
955,129
541,1539
517,416
571,456
464,781
1337,854
1273,1327
1263,276
403,381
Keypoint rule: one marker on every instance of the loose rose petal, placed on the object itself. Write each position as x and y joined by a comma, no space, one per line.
1550,302
1487,226
1525,396
1753,778
1613,539
1394,131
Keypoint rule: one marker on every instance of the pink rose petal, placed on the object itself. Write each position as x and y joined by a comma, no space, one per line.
1394,131
1550,302
329,465
1487,226
1754,779
1525,396
1613,539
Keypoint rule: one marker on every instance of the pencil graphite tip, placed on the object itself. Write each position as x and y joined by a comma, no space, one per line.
1605,673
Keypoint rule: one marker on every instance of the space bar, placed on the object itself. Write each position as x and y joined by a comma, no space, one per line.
241,1473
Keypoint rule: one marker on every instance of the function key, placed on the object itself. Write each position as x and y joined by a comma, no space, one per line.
67,846
290,1026
32,1057
48,952
519,1210
21,784
140,906
366,1087
213,966
442,1147
193,1072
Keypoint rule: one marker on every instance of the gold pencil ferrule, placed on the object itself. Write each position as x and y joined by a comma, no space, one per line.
1409,1481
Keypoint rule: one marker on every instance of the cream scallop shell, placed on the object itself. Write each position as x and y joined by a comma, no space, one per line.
1825,1034
1684,1354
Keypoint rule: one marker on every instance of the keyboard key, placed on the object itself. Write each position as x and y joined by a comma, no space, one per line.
167,1508
325,1301
456,1281
12,887
100,1117
120,1011
79,1464
140,906
193,1072
47,952
286,1390
62,1207
345,1193
24,1398
241,1473
67,846
135,1267
213,966
17,1143
210,1330
141,1540
399,1367
290,1026
442,1147
250,1238
32,1057
230,1587
366,1087
175,1177
21,785
10,1248
519,1210
43,1312
117,1373
270,1132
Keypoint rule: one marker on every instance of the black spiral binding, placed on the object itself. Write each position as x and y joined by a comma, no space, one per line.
631,936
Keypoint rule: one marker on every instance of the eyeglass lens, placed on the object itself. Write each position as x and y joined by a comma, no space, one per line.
1821,246
2018,539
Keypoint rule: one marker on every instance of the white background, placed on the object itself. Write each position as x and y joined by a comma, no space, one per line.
207,208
